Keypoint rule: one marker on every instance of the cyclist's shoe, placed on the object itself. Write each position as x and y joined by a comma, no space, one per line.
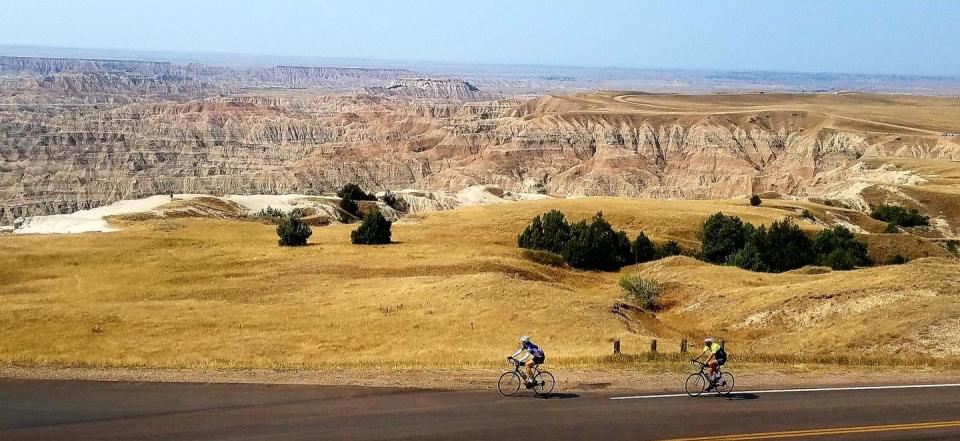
529,385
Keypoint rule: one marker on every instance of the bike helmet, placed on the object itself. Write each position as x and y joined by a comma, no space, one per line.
525,339
707,340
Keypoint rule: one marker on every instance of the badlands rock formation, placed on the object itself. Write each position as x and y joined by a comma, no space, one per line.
448,89
85,134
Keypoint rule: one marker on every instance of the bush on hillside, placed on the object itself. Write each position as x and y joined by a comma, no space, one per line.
782,247
787,246
269,213
891,228
643,249
392,201
755,200
897,259
595,245
544,258
644,293
549,233
669,248
353,191
721,236
293,232
899,216
374,230
349,206
839,249
749,257
807,214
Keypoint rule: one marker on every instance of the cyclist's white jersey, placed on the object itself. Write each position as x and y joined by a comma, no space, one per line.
529,349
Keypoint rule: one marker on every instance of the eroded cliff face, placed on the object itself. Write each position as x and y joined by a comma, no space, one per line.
56,160
430,88
76,134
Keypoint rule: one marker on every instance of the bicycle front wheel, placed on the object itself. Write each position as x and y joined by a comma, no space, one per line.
543,383
509,383
725,385
695,384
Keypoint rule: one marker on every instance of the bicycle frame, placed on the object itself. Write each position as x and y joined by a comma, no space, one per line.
704,367
516,368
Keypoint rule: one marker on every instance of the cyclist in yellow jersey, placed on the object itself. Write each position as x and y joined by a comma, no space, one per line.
711,349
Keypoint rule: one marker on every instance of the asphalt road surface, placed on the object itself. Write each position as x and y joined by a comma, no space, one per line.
77,410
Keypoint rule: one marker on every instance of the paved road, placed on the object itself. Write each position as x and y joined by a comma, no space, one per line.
74,410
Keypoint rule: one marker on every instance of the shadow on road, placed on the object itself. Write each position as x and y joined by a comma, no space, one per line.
558,396
738,397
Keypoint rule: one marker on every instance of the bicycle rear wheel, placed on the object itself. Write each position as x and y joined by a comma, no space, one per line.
509,383
543,383
695,384
725,385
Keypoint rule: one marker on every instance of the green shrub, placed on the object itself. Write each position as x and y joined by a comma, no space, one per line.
374,230
839,249
721,236
644,293
595,245
891,228
897,259
900,216
749,258
269,213
293,232
781,247
643,249
549,233
349,206
544,258
394,202
353,191
669,248
787,247
755,200
807,214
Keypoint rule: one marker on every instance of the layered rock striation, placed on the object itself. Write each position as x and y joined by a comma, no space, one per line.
59,155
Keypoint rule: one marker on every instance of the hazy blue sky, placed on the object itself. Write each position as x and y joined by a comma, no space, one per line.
908,37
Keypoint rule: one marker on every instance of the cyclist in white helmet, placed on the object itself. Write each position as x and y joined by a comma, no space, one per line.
533,352
715,356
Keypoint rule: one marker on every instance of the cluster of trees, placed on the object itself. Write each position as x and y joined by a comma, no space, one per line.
897,216
349,195
373,230
781,247
592,244
354,192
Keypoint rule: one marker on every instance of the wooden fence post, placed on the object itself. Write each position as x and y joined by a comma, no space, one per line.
653,346
683,346
616,347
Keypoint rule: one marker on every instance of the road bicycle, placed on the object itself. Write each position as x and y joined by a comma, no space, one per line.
511,381
698,383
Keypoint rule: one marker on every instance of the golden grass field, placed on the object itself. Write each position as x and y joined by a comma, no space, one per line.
453,291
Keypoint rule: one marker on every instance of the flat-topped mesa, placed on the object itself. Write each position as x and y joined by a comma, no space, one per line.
41,66
448,88
116,76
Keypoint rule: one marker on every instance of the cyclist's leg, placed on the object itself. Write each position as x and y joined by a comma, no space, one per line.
529,369
713,368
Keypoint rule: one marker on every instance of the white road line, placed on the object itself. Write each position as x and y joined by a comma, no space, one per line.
781,391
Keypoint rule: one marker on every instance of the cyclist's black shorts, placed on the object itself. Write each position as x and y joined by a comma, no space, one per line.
540,359
721,361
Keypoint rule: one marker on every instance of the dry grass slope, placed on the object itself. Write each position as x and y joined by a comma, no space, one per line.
214,293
